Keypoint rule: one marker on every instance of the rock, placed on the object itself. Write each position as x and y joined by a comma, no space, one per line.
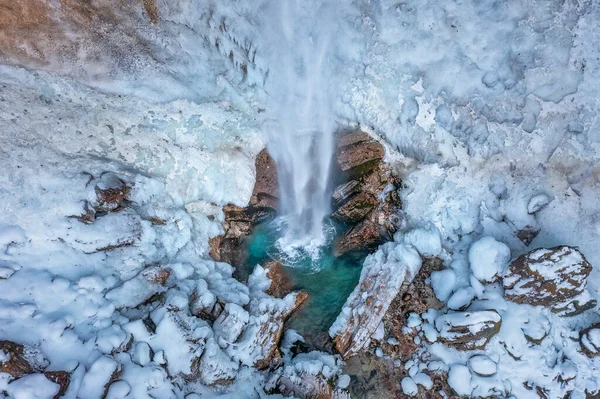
266,188
345,191
313,375
417,298
358,154
468,330
555,278
356,208
239,221
385,274
258,345
589,340
527,234
139,289
281,283
103,372
111,193
488,259
231,322
363,237
203,303
32,386
62,378
15,360
482,365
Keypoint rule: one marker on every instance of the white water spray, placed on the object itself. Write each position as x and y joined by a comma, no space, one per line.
300,120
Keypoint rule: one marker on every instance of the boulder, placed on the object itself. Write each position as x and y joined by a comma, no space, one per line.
589,339
356,208
281,283
266,189
385,274
362,237
345,191
17,362
258,345
468,330
358,154
140,288
555,278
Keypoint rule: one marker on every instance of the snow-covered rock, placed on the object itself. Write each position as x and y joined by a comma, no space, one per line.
459,378
468,330
555,278
32,386
383,276
231,322
589,340
488,259
145,284
482,365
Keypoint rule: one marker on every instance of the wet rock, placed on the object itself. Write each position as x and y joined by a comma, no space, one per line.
555,278
356,208
363,237
281,283
345,191
358,154
589,340
385,274
468,330
239,221
266,189
369,204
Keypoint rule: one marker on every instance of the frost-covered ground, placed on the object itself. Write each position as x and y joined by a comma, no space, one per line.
484,106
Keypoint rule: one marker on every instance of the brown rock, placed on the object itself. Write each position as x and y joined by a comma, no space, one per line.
281,283
362,237
266,189
555,278
345,191
269,334
527,234
589,339
468,330
17,366
62,378
358,154
356,208
111,193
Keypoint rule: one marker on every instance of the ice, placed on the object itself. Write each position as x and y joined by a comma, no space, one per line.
488,258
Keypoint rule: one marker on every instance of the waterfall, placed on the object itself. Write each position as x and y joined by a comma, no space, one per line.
300,122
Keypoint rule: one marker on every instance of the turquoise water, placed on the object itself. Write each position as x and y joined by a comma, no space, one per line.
327,279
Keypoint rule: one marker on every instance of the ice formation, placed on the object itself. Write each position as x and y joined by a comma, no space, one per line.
126,126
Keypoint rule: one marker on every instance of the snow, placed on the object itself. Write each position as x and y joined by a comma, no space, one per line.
443,283
489,110
459,378
482,365
32,386
488,258
409,387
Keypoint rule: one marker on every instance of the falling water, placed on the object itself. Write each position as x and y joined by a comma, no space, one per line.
300,120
